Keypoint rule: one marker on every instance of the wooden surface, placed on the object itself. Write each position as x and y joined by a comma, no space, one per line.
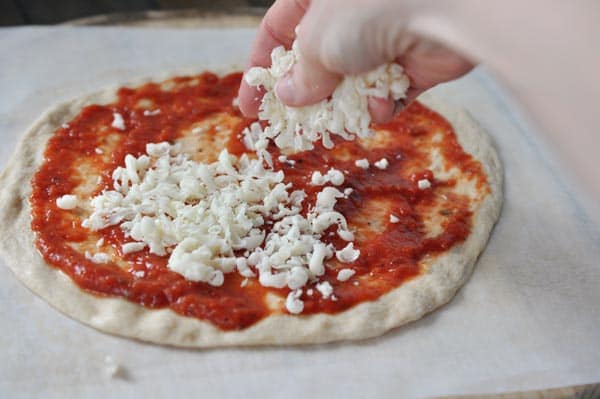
22,12
248,17
589,391
234,18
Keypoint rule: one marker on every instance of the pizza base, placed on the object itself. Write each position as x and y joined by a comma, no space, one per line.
409,302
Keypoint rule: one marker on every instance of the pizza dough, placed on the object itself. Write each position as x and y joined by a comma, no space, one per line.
413,299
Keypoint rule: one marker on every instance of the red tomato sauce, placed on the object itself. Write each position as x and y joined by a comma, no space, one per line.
387,258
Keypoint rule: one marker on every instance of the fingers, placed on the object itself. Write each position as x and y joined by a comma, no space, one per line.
249,99
306,84
428,63
276,29
411,94
382,110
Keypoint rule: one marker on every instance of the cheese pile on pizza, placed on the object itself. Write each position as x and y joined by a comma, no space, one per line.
157,211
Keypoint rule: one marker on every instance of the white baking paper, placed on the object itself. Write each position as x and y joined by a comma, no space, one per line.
529,318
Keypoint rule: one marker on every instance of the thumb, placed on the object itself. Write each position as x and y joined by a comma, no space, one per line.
306,83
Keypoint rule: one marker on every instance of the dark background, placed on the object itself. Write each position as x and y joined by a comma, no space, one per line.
26,12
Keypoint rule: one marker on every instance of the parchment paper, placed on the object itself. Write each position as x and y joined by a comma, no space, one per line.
529,318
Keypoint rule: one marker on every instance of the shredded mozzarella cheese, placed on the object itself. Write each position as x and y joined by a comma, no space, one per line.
148,112
67,202
382,164
325,289
131,247
118,122
345,274
203,215
345,114
362,163
348,254
423,184
293,302
332,176
98,257
112,368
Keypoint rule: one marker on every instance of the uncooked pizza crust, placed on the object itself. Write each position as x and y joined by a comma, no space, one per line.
413,299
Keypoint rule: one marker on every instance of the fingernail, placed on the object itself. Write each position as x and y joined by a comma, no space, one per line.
285,89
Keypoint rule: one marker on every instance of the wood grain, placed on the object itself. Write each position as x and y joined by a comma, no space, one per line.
589,391
22,12
245,17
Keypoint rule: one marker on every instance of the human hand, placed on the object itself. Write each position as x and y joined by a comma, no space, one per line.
340,37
